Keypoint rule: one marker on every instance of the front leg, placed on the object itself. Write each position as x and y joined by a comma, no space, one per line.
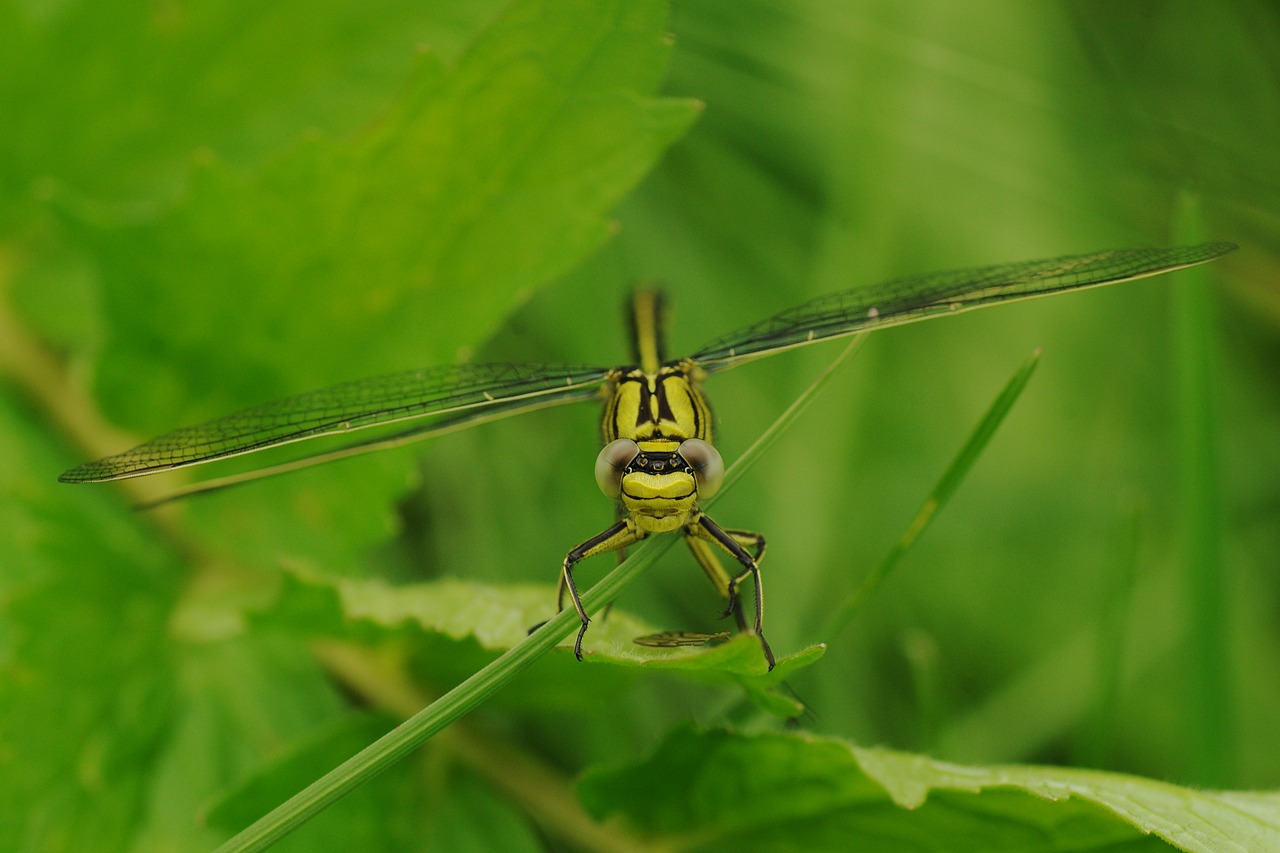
733,542
618,535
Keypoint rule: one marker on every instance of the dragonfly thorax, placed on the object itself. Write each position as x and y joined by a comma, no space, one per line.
664,404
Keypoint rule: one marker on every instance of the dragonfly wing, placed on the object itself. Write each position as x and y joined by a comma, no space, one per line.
907,300
458,394
430,427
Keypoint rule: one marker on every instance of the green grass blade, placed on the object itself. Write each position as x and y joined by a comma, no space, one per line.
785,419
942,492
437,716
1093,746
1200,518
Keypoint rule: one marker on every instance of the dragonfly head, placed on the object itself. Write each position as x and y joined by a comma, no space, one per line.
659,481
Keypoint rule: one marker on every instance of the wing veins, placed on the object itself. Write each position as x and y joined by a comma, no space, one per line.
915,298
438,425
373,401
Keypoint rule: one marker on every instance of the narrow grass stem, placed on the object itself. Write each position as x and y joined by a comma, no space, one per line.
1210,740
942,492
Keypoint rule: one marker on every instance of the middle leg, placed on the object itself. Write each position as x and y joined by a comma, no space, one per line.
736,543
710,563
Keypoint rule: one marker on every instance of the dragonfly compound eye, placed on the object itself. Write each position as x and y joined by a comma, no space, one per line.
708,467
612,462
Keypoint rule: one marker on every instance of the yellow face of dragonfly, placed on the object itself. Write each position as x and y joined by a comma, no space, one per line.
658,457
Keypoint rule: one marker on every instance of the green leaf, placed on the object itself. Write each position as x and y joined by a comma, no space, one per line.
415,238
452,627
496,618
720,790
86,678
240,703
471,817
128,91
402,246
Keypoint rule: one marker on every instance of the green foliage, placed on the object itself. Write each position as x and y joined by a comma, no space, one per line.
793,792
204,207
495,618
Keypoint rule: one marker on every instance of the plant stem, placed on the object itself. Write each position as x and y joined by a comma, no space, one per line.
942,492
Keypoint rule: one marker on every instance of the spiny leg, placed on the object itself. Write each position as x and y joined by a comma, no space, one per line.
750,540
618,535
710,563
620,513
736,543
753,542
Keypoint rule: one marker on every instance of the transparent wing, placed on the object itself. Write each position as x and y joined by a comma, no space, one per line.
429,427
906,300
457,394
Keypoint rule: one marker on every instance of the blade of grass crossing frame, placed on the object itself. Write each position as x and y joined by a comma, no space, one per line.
942,492
418,729
785,419
1093,744
1210,741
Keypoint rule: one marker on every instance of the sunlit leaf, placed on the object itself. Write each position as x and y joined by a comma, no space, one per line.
786,792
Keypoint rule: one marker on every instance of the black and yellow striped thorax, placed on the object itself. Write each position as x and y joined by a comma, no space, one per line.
666,404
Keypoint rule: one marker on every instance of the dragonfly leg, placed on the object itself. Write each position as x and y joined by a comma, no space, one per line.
750,540
618,535
736,542
620,513
710,563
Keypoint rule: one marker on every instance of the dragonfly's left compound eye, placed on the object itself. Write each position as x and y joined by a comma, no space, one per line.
708,467
612,461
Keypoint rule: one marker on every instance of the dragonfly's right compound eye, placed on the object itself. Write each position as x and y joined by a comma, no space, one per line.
612,462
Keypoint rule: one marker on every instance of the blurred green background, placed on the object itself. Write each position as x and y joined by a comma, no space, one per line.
205,207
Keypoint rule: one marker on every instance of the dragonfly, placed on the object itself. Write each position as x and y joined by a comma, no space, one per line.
658,461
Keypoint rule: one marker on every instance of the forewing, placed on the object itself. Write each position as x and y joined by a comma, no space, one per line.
462,393
907,300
